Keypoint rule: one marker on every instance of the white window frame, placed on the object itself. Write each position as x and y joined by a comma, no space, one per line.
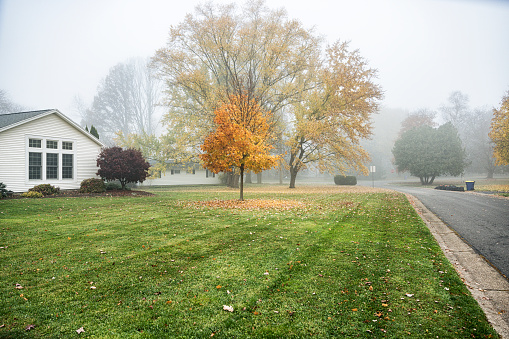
44,151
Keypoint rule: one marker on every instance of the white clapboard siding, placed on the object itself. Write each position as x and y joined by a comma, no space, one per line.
13,152
183,178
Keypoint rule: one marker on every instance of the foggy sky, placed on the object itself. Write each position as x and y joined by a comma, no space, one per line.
54,50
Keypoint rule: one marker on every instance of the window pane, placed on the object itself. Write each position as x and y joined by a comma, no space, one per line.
66,145
52,166
51,144
67,166
36,143
34,165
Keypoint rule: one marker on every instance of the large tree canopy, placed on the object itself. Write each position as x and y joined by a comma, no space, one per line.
218,52
428,152
500,131
329,120
327,95
125,102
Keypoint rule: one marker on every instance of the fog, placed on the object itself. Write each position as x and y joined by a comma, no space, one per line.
54,50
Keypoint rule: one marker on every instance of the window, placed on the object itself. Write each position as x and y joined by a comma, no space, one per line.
35,143
67,165
52,144
34,165
52,166
49,159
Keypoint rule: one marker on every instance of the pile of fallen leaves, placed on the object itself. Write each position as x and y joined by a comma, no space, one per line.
251,204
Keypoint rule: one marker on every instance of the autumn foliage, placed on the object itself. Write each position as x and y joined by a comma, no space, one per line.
240,139
499,133
124,165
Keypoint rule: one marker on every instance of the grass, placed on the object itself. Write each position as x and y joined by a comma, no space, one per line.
321,261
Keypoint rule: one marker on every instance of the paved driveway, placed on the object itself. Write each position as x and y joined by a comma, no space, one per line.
481,220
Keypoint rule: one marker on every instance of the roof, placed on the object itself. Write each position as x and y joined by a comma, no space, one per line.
7,119
11,120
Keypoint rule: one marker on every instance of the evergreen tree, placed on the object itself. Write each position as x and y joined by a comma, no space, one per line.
94,132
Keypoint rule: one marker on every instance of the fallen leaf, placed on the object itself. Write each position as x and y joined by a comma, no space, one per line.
93,287
354,309
29,327
19,287
409,295
80,330
228,308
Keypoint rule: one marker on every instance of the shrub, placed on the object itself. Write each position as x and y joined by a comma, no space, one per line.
126,166
92,185
3,191
110,186
32,194
345,180
450,188
45,189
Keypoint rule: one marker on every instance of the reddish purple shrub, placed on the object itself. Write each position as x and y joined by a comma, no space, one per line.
126,166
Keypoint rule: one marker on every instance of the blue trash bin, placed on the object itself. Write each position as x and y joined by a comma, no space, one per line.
470,185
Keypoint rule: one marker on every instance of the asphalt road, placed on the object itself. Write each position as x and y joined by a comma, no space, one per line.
482,220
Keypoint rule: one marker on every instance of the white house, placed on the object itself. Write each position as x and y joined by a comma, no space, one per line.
177,174
45,147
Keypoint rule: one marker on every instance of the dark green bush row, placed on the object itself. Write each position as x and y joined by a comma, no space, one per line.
345,180
45,189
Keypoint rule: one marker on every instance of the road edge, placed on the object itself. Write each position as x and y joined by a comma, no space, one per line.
488,287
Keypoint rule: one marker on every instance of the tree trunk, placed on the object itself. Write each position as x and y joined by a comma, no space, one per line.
241,182
431,180
232,179
249,179
491,171
293,176
259,178
426,180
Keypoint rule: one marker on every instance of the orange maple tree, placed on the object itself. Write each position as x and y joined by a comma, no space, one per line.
240,139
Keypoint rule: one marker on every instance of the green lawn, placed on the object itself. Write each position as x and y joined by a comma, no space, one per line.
326,261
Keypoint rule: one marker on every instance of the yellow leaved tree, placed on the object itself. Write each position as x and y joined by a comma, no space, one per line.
330,120
499,133
240,140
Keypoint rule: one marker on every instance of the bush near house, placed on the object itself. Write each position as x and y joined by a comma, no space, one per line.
126,166
345,180
45,189
111,186
92,185
4,192
32,194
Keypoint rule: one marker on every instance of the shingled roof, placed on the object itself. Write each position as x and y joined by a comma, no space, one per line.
7,119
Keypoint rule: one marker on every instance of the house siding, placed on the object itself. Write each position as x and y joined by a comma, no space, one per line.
13,153
183,178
